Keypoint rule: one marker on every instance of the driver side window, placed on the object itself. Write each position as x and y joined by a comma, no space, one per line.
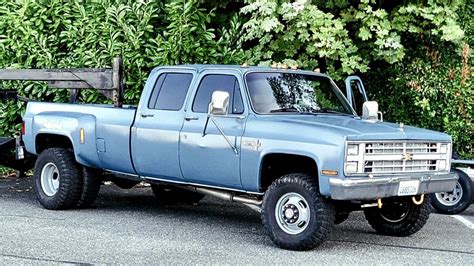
217,82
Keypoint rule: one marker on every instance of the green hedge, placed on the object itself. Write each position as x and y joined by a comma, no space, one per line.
410,52
432,90
432,87
56,34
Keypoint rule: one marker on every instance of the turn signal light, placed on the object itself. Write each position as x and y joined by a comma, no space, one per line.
82,137
329,172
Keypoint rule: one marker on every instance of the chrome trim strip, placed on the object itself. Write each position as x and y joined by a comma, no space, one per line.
120,173
400,140
198,185
384,180
376,188
145,178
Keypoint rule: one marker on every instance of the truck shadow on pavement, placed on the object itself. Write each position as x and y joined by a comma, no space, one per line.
137,207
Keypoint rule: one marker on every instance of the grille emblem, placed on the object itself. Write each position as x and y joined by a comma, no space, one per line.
401,125
407,157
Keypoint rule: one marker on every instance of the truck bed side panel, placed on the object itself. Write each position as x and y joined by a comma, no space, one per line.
107,132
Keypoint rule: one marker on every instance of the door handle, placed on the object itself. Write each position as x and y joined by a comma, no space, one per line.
147,115
189,118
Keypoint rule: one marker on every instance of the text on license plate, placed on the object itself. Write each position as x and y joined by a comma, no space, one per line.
407,188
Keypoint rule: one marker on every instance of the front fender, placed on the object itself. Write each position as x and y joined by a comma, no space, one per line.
325,156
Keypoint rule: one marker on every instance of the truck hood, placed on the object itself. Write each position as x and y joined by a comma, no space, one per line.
355,128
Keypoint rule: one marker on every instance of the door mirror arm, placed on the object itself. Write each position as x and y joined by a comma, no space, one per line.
219,106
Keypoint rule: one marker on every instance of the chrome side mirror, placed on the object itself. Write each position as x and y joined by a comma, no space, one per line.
370,111
219,104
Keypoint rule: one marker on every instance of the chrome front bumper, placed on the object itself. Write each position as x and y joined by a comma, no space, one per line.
360,188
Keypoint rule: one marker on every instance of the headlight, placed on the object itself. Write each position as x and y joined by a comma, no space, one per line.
443,148
352,149
442,165
351,167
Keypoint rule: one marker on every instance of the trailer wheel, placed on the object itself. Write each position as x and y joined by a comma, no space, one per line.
399,216
170,194
295,216
57,179
91,187
455,201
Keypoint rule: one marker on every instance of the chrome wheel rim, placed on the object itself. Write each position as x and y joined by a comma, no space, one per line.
50,179
450,198
292,213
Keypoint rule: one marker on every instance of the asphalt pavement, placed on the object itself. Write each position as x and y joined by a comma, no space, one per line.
130,227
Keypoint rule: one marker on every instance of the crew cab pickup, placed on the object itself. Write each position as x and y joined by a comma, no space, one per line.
286,140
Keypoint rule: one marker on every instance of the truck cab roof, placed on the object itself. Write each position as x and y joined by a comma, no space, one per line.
242,69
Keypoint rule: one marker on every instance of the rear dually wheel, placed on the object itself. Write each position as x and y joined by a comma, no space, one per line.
57,179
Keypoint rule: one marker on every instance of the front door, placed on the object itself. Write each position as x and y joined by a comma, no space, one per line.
206,157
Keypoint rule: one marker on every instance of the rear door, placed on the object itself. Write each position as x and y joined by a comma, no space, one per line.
209,159
155,135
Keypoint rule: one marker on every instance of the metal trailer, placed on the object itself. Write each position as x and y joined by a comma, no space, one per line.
462,196
10,158
109,81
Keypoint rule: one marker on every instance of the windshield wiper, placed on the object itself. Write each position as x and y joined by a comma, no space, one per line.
330,111
292,110
285,110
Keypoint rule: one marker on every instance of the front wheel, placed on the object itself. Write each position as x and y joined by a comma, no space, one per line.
399,216
295,216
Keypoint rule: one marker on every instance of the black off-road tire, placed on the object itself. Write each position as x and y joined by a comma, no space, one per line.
70,179
465,186
91,186
321,213
169,194
405,225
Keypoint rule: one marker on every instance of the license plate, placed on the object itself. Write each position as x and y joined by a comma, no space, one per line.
408,188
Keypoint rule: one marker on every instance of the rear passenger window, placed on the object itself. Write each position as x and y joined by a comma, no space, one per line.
170,91
211,83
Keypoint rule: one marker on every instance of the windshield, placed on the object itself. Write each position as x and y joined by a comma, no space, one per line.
295,93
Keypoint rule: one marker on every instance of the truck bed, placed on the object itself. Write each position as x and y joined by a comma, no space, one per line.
107,131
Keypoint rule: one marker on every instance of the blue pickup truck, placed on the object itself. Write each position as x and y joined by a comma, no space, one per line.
286,140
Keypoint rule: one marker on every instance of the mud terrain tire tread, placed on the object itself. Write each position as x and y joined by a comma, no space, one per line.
91,187
415,220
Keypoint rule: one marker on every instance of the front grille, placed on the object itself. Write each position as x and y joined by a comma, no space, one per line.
400,166
400,157
401,147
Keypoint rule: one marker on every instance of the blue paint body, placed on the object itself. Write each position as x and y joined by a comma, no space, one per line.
166,146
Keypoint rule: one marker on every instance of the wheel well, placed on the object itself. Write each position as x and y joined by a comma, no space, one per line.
276,165
46,141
